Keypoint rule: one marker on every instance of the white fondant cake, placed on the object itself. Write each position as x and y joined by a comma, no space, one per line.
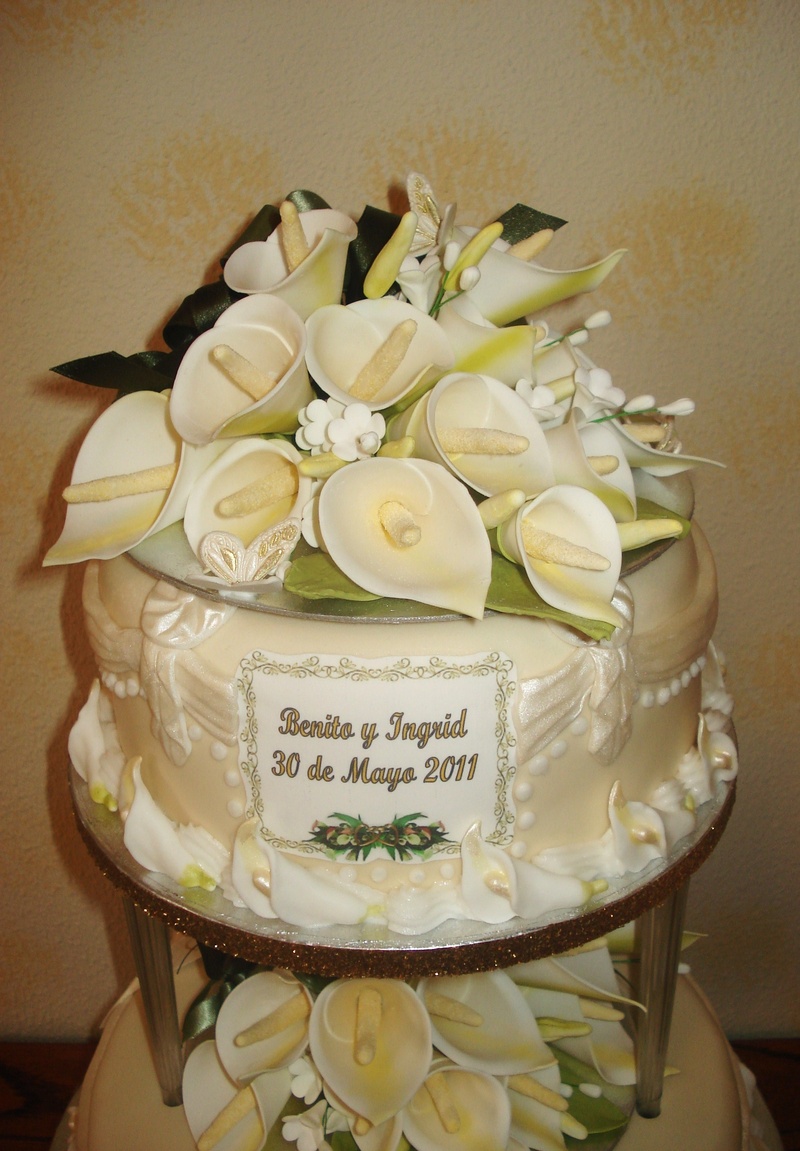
422,630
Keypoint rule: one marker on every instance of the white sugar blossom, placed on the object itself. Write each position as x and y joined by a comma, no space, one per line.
419,280
315,419
540,399
306,1082
598,382
308,1130
357,433
350,431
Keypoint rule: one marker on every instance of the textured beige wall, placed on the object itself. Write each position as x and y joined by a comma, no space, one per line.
138,137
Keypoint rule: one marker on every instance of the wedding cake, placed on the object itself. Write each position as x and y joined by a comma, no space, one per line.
401,620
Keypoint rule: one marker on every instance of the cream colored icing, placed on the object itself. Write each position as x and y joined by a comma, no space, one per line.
564,737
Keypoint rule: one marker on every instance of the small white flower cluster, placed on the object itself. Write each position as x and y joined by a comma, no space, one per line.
309,1130
351,432
598,382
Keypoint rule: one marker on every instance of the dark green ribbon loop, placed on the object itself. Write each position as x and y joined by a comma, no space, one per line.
306,201
521,221
156,370
225,973
137,373
198,312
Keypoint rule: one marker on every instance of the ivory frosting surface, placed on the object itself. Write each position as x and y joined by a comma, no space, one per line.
376,769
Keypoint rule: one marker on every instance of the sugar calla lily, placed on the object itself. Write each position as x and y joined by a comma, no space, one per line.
407,529
263,1024
482,431
255,485
458,1110
481,1022
588,974
656,461
132,477
590,456
714,760
637,830
245,376
230,1115
479,346
510,288
354,1031
350,357
262,266
541,537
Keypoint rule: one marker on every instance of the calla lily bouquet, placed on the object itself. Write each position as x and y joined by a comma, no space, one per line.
378,409
533,1057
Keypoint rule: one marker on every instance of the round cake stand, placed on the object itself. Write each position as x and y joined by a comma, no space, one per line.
656,898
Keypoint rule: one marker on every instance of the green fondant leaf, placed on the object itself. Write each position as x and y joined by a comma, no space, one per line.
342,1141
511,593
316,576
599,1116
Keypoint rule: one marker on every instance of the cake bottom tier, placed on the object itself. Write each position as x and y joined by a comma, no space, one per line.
705,1107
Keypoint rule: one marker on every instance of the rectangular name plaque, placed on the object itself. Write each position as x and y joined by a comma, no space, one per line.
390,758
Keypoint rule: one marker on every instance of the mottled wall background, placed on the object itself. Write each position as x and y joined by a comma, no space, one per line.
138,137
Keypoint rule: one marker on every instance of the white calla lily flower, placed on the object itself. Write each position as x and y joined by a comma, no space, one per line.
345,342
245,376
255,485
408,529
353,1033
656,461
132,477
581,581
480,1021
590,456
506,354
261,265
235,1116
458,1110
482,431
510,288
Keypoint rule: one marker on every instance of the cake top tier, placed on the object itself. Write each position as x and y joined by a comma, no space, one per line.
379,411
